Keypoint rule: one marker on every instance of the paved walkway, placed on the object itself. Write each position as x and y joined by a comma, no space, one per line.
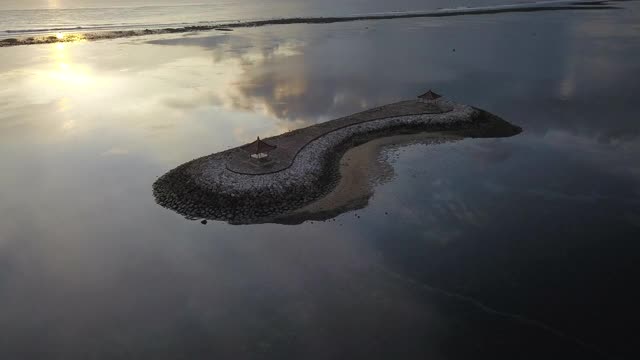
289,144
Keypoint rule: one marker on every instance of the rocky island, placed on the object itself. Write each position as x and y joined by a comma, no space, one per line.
272,178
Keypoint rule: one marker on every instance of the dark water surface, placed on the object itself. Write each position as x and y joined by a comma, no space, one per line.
523,247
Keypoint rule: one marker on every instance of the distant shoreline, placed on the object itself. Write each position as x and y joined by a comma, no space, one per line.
77,33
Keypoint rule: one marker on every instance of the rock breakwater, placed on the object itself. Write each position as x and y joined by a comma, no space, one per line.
306,163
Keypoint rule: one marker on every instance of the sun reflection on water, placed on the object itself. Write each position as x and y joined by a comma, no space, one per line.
76,76
61,38
64,104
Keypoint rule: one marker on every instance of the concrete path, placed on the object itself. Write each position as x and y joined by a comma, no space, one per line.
290,144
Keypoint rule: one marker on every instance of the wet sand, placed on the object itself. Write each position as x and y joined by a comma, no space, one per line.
362,168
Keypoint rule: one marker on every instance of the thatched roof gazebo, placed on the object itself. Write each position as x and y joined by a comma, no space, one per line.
258,149
429,96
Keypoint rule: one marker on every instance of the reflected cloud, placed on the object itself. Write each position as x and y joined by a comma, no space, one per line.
323,77
81,140
115,151
206,42
286,79
258,83
491,152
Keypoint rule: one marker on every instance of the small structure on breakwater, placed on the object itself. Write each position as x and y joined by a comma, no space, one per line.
258,149
429,96
266,179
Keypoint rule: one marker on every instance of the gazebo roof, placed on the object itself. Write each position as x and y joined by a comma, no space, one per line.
258,147
429,95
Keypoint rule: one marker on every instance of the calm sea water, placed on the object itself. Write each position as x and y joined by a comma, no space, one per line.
524,247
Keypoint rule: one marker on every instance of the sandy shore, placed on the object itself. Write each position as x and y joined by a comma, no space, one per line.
362,168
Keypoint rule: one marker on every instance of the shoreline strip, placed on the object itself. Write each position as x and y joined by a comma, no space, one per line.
229,26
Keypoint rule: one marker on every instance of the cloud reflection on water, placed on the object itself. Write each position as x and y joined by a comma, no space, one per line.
331,73
296,77
81,234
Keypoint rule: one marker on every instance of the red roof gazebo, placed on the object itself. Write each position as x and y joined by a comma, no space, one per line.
258,149
429,96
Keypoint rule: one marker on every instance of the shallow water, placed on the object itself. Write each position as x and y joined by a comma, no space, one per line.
544,224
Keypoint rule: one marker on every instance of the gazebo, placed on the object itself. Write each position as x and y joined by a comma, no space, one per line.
429,96
258,149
